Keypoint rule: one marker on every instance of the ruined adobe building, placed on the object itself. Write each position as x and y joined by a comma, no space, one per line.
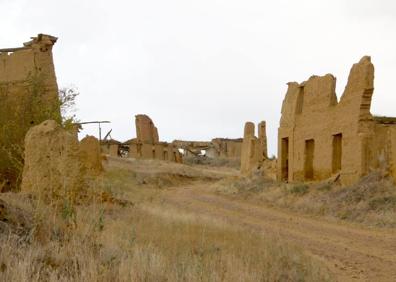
319,137
254,149
191,148
29,96
223,148
146,145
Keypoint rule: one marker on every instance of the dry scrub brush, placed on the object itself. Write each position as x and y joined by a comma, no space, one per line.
147,241
371,201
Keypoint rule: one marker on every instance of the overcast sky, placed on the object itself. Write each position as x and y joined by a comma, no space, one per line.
200,69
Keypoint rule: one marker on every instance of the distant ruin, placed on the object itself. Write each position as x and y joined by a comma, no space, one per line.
320,137
29,96
254,149
225,148
218,148
146,132
147,146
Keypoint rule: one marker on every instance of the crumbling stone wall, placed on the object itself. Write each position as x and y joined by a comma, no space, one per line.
254,149
319,136
52,169
90,154
29,96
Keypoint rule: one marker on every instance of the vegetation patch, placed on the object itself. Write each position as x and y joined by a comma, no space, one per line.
371,201
149,241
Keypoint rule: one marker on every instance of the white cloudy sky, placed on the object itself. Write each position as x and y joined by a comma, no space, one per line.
202,68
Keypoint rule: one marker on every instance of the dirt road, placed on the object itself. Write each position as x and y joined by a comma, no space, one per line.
351,253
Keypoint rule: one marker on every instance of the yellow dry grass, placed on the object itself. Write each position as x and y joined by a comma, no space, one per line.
371,201
146,241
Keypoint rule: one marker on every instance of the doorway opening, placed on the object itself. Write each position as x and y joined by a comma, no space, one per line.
337,153
309,158
285,159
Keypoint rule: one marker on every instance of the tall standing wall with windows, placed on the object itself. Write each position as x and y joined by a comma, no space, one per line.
320,137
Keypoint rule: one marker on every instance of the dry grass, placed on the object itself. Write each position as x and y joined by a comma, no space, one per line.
147,241
371,201
210,162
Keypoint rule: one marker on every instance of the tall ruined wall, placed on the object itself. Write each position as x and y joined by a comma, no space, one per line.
254,149
146,132
249,156
319,137
262,141
28,95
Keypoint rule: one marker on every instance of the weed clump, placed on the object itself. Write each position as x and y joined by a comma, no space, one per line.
299,189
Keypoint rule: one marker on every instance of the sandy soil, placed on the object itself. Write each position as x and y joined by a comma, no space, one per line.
352,253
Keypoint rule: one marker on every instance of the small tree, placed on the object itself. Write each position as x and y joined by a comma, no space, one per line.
67,100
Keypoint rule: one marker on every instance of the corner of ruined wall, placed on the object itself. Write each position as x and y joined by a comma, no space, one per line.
29,73
287,122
